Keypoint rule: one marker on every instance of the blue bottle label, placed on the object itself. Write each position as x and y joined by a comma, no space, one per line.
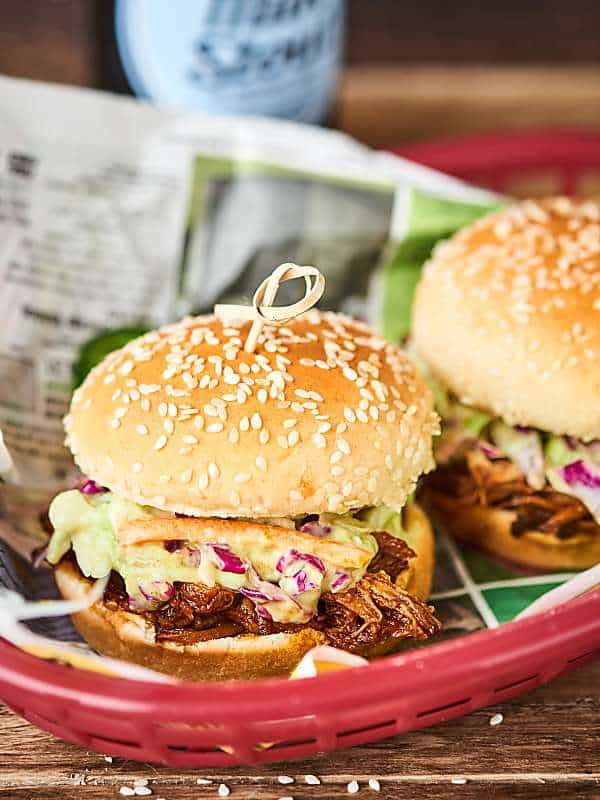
273,57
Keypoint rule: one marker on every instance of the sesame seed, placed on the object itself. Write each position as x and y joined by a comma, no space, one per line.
261,463
262,396
143,791
137,467
216,427
126,368
335,457
163,409
234,435
285,779
374,784
203,480
352,787
256,421
282,442
168,425
203,782
126,791
145,404
242,477
349,415
337,470
312,780
360,414
114,423
263,436
459,781
234,498
213,470
289,423
293,438
223,790
244,424
142,430
160,442
497,719
186,476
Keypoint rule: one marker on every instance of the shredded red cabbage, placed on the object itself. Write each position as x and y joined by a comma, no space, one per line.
303,582
579,474
315,528
294,555
225,560
340,582
91,487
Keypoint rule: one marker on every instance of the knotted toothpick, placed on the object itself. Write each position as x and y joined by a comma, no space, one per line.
262,309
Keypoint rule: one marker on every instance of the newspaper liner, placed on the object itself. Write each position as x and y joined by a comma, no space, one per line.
164,213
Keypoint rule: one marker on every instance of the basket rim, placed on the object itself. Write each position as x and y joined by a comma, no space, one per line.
493,152
522,641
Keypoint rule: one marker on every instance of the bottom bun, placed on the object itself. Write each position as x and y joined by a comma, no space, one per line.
489,529
130,637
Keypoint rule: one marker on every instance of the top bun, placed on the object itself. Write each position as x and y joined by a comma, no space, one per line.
323,416
507,315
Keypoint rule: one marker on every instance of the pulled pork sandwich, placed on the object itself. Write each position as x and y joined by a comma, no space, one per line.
248,505
507,322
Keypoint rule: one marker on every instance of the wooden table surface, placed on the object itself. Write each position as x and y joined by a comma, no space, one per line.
547,746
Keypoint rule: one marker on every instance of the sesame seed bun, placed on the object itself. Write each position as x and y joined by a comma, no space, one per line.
507,315
489,529
323,416
128,636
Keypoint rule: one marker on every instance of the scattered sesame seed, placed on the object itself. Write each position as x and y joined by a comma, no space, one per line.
160,442
285,779
312,780
203,782
216,427
127,791
497,719
459,781
137,467
223,790
374,784
352,787
115,423
108,759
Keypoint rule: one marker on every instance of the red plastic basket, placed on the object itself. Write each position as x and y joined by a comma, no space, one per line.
241,722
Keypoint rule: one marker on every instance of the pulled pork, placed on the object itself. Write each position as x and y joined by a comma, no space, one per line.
371,612
498,483
392,556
